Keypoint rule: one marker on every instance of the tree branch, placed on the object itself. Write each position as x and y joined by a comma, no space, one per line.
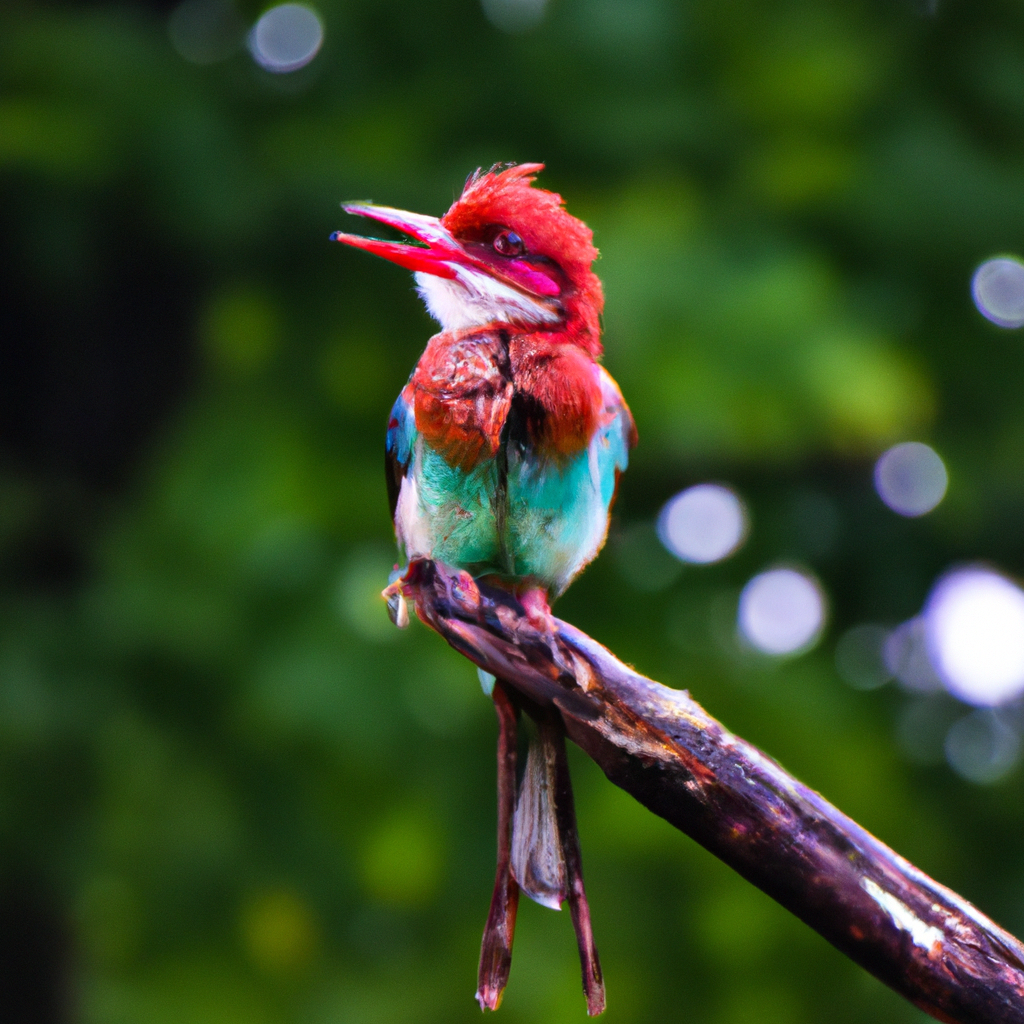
656,743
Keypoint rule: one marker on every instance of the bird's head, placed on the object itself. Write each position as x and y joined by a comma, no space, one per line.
506,252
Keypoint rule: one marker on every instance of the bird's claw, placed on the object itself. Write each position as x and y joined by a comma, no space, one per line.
398,607
539,617
462,591
538,611
455,586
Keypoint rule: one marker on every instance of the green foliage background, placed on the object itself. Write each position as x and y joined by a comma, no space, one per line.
238,791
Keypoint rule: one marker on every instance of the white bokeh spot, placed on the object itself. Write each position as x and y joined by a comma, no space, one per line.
974,623
911,478
703,524
782,611
286,37
998,290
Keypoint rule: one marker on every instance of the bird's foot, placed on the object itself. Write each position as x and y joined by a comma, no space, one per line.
461,590
398,607
455,587
538,611
539,618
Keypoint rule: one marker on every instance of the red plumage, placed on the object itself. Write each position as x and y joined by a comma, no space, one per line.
510,198
462,390
560,389
461,394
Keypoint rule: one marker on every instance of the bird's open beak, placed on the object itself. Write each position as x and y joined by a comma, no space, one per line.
432,251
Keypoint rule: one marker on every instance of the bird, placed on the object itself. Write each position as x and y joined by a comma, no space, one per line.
503,454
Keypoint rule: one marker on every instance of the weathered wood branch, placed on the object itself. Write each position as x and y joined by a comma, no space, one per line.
659,745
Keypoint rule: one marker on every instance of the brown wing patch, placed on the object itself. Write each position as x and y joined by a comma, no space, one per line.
463,392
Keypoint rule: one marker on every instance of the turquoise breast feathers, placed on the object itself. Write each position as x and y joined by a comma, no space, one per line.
519,515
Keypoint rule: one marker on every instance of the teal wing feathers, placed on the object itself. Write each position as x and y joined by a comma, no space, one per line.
558,510
615,438
398,445
440,511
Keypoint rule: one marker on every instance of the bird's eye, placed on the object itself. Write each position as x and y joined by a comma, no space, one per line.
508,243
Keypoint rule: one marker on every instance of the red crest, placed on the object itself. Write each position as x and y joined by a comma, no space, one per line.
508,198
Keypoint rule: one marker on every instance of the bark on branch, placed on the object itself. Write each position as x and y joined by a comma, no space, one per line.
917,936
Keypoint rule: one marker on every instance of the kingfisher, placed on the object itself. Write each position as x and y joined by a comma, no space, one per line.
503,454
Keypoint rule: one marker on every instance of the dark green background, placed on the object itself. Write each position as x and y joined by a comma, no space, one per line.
229,789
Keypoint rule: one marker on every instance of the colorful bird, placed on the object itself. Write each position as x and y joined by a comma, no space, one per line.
503,456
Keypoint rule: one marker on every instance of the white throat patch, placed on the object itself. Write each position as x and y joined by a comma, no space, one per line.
475,298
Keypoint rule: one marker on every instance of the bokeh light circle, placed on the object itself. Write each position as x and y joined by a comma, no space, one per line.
911,478
860,656
703,524
782,611
286,37
981,747
998,290
906,656
974,622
